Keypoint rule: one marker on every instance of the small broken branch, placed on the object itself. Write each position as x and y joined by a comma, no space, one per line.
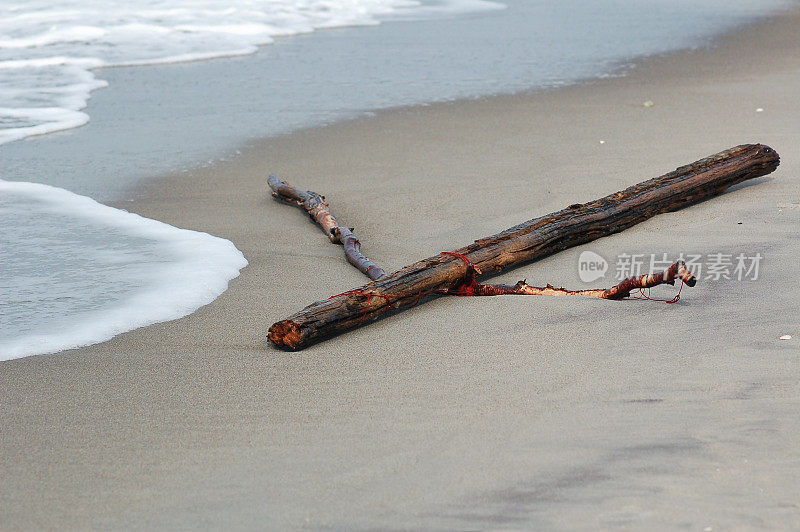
573,226
472,287
316,207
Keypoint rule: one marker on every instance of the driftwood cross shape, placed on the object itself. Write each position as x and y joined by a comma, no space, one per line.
457,272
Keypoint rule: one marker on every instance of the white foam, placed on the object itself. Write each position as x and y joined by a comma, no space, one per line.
185,58
43,43
77,34
85,62
446,8
76,272
44,120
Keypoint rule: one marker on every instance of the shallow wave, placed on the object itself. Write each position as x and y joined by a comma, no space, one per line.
48,47
76,272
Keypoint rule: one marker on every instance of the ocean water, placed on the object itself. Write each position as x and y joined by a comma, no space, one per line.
75,272
138,76
49,50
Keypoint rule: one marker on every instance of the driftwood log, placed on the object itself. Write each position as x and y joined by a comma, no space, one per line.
319,210
573,226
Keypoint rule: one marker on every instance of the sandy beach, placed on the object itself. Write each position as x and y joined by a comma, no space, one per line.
468,413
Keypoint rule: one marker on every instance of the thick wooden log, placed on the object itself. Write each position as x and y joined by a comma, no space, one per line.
573,226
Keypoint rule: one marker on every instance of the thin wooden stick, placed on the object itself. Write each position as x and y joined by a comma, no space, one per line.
472,287
316,207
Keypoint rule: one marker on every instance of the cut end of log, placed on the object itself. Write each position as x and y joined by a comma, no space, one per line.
769,154
286,335
766,159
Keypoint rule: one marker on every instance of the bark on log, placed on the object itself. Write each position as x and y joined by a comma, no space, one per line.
573,226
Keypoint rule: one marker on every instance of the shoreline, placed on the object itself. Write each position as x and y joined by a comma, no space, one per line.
139,127
495,412
623,69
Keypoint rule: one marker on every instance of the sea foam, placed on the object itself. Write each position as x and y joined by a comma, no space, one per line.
48,49
76,272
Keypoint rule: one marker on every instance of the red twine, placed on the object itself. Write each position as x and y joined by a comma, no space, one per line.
466,289
667,301
460,256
